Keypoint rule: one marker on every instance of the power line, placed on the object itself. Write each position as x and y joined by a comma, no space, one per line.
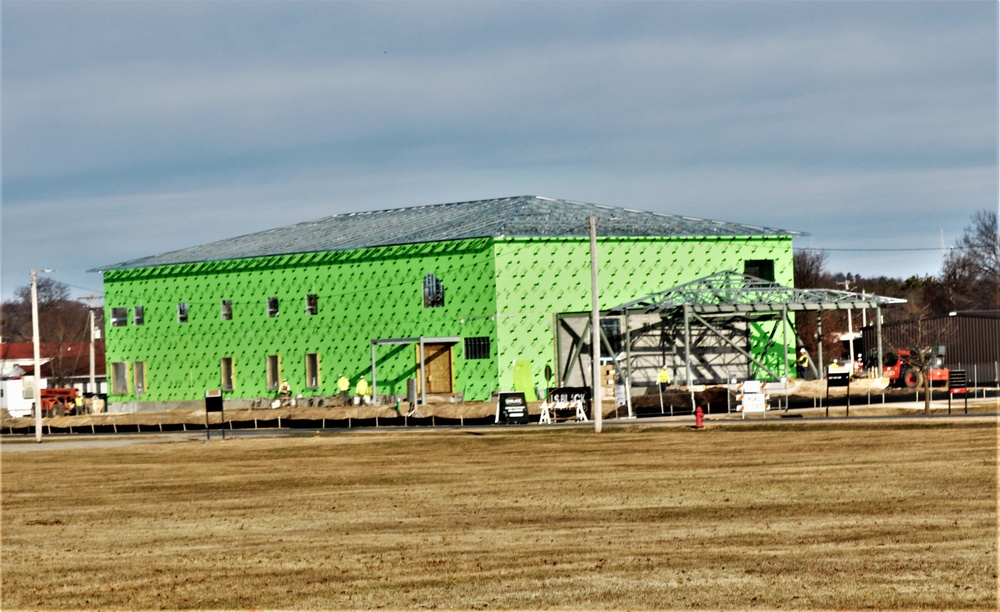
909,250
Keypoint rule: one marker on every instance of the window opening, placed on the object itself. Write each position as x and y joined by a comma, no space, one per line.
477,348
312,304
760,268
273,372
119,317
139,373
612,330
312,370
227,310
182,312
272,307
138,317
433,292
119,378
227,374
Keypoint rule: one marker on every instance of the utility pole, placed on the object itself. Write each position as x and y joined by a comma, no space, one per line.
36,354
90,308
595,324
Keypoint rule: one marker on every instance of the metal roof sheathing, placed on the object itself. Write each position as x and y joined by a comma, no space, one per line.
734,293
516,217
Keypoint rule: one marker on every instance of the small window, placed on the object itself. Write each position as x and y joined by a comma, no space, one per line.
760,268
312,370
182,312
272,307
137,316
139,373
433,292
273,372
312,304
227,374
477,348
227,310
119,317
119,378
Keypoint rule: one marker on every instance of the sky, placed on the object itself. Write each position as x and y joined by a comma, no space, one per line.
136,128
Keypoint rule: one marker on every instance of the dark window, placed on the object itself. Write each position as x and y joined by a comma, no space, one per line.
227,374
227,310
477,348
273,372
611,329
137,315
312,304
433,292
119,378
312,370
182,312
272,306
119,317
761,268
139,371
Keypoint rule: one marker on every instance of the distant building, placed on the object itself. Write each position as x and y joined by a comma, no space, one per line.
971,340
70,359
476,284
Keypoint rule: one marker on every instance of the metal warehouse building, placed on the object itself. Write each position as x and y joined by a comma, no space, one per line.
467,292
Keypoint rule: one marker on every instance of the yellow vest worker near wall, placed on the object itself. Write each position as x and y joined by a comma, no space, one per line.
663,378
343,386
363,390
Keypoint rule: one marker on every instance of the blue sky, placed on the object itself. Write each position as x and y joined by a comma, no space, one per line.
135,128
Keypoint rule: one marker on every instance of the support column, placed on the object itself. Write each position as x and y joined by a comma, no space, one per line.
878,334
819,351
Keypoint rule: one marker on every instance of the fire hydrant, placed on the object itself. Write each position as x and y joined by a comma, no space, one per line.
699,418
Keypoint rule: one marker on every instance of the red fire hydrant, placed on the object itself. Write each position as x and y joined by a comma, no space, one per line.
699,418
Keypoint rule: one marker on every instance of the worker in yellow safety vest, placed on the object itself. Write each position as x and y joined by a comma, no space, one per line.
663,378
802,363
363,390
343,386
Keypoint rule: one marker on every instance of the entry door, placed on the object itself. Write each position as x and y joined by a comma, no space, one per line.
438,362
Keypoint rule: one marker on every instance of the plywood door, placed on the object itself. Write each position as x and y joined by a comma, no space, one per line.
438,362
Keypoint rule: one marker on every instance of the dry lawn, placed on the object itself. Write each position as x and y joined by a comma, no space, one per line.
792,516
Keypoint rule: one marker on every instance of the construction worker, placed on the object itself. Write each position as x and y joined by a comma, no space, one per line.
363,390
663,378
343,386
802,363
285,392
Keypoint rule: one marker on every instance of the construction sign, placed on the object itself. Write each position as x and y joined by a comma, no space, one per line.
752,397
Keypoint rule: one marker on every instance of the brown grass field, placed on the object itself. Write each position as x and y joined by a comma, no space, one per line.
768,516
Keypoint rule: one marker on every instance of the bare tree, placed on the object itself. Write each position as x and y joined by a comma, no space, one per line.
971,271
63,326
809,270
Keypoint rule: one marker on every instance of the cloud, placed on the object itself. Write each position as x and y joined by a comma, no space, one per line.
159,125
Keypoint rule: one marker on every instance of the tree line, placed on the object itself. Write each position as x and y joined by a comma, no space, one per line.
969,280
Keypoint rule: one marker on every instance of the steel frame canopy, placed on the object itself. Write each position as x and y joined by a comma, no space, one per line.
729,294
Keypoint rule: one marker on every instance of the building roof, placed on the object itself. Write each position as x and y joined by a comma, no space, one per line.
516,217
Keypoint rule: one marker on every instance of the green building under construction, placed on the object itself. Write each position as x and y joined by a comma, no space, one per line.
462,298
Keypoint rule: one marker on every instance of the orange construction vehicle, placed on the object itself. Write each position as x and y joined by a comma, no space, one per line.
58,401
903,371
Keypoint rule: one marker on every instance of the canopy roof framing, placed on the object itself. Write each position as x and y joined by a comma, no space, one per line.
733,297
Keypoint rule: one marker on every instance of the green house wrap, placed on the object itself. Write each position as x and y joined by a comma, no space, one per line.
306,302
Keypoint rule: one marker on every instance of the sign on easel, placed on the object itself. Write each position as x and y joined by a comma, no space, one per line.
213,403
512,408
752,397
